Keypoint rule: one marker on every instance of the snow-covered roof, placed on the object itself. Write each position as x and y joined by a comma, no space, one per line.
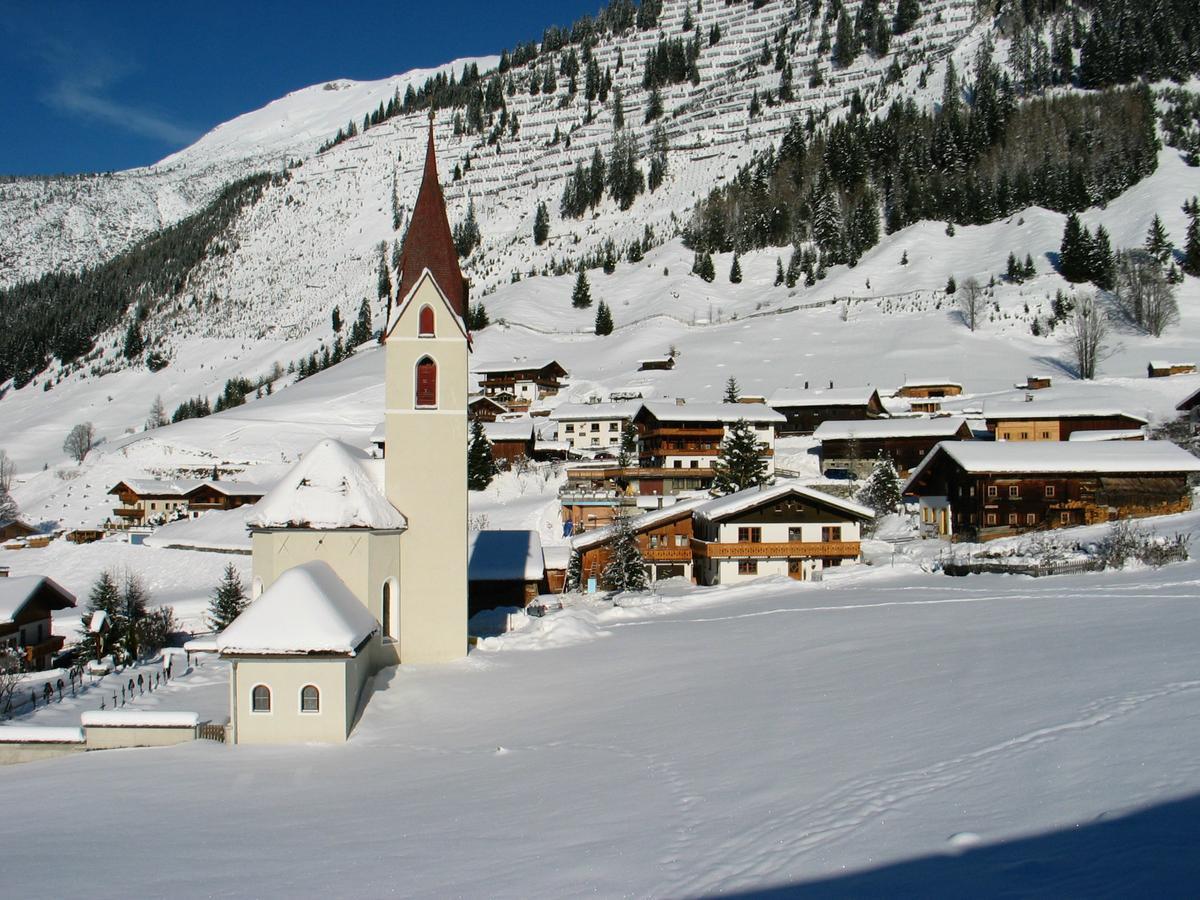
150,487
1062,457
235,488
1035,409
557,556
1108,434
751,498
15,593
575,412
505,556
930,382
712,412
641,523
138,718
97,622
509,430
379,433
1163,364
856,396
202,645
40,734
332,486
527,365
308,609
877,429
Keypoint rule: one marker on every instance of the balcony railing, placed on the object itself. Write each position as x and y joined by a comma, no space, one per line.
668,554
129,512
784,550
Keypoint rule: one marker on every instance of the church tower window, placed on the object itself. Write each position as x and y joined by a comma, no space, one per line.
426,383
425,323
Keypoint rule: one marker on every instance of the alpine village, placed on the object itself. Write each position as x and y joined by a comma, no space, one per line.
716,446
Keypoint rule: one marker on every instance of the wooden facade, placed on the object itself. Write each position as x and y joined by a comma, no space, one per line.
926,390
666,547
13,529
904,450
804,417
1157,369
485,409
1048,427
27,605
523,384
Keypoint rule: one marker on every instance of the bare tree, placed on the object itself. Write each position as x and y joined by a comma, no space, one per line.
1144,294
157,417
1085,335
971,302
11,665
80,441
6,472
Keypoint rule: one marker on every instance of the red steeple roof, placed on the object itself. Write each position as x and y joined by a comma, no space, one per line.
429,243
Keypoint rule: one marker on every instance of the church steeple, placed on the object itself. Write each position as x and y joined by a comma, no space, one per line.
429,243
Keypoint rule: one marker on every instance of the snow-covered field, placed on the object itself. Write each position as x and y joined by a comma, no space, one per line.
886,731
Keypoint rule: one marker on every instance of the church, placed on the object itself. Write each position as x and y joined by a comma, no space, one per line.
361,563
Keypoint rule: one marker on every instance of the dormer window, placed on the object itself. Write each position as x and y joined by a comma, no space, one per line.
426,323
426,393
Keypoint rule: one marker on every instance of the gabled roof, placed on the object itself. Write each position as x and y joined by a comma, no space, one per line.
520,365
308,610
1186,404
150,487
518,430
505,556
582,412
1035,409
930,382
17,593
879,429
646,521
713,412
484,400
332,486
429,244
1108,434
857,396
752,498
232,488
1060,458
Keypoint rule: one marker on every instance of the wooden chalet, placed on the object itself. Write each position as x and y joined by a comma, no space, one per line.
1037,421
804,411
786,529
504,568
510,440
661,363
143,501
484,409
222,495
664,537
1190,406
13,529
677,437
521,383
1158,368
973,490
27,607
929,389
856,445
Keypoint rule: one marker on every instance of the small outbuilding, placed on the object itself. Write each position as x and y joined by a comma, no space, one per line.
505,568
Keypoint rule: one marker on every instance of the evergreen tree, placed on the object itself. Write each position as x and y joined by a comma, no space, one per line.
907,13
740,464
466,233
618,110
1158,244
951,285
707,271
384,283
654,106
9,511
105,597
882,490
133,340
626,570
735,271
1191,250
627,455
481,465
541,224
1073,251
574,572
336,320
732,391
778,271
228,600
1029,270
604,321
1013,270
1101,268
581,296
845,48
360,333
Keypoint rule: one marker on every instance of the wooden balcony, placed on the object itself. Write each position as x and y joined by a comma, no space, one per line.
668,554
128,512
785,550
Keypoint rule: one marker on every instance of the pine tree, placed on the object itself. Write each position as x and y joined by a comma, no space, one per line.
604,321
105,597
1030,269
1158,244
581,296
951,285
740,464
1073,251
654,106
133,341
618,110
1191,250
845,48
228,600
481,465
384,283
629,446
707,271
541,224
360,333
882,490
574,581
1013,270
735,271
335,319
778,271
907,13
626,570
733,391
1101,268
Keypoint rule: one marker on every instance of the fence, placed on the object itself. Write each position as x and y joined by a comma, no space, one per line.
211,731
1035,570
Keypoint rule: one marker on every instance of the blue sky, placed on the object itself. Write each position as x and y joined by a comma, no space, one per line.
110,84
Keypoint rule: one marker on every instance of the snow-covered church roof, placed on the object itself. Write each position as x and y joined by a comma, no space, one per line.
307,610
332,486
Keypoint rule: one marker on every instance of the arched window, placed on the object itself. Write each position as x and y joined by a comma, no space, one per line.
260,699
426,383
425,322
310,699
385,618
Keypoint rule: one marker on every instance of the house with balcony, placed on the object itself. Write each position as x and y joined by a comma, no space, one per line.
664,537
805,410
980,490
143,501
684,439
786,530
590,429
519,384
27,607
1034,420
